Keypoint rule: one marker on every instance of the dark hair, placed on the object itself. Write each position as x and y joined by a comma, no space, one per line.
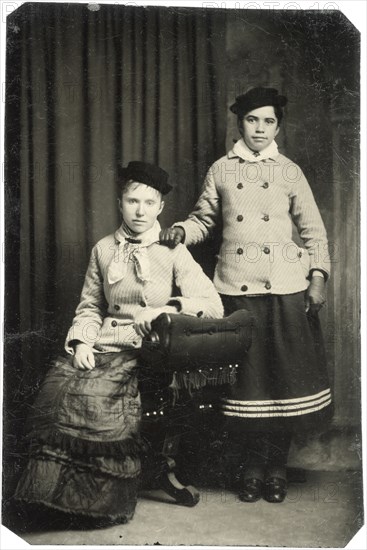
122,184
278,111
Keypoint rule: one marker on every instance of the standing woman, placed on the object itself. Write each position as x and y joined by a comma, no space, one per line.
84,427
259,194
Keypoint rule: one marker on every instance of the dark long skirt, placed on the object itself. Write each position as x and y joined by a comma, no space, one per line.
283,382
84,440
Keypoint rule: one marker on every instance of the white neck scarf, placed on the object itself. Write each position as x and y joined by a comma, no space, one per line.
132,248
241,150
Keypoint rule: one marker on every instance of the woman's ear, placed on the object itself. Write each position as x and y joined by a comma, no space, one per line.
161,208
119,202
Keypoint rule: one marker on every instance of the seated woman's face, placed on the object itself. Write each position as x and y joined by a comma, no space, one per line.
140,205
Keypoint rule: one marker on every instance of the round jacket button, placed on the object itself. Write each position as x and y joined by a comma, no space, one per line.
268,286
116,307
266,250
265,185
300,254
114,323
239,250
266,218
143,304
240,186
239,218
244,288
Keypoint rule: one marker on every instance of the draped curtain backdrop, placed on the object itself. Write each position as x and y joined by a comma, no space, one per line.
87,87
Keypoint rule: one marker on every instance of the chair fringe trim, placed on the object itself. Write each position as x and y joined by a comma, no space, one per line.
206,376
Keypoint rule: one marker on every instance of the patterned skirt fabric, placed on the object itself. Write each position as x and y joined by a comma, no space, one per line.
84,439
283,382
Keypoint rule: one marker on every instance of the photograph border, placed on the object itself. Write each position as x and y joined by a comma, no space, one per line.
356,12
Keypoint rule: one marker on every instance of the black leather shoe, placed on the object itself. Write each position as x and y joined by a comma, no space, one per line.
275,489
251,489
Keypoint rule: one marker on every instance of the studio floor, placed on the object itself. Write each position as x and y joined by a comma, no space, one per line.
324,511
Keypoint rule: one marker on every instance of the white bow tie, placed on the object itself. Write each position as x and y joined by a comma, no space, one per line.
132,249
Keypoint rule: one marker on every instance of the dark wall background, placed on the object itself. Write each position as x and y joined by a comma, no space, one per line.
87,88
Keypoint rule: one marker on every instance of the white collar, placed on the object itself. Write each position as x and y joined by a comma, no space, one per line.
241,150
142,239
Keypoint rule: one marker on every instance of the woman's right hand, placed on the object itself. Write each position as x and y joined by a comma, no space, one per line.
84,357
172,236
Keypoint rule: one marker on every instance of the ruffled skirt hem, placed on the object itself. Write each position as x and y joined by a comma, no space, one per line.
78,491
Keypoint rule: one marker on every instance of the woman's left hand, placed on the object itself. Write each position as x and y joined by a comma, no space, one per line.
315,295
143,320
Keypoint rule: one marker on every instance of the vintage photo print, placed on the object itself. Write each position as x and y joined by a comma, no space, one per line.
183,261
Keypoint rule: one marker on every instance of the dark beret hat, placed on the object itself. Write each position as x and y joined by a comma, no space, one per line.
255,98
143,172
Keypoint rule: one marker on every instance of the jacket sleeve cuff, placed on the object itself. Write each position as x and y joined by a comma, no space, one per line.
321,270
193,233
176,303
87,333
187,306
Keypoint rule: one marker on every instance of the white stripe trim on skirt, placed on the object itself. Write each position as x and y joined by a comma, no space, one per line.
273,408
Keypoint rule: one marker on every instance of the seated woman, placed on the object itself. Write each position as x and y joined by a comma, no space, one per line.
84,428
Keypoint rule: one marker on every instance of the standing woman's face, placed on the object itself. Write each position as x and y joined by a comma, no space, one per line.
140,205
260,127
